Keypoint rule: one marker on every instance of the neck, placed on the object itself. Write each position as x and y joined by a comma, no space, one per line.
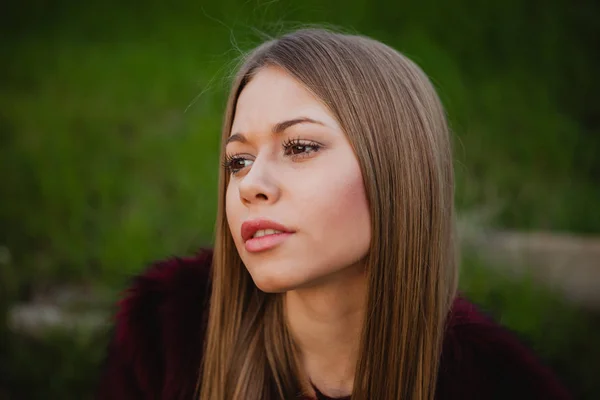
325,322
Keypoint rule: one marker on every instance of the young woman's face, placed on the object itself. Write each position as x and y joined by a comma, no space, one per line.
296,202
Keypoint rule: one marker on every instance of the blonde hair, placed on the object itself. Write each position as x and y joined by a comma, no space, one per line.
397,127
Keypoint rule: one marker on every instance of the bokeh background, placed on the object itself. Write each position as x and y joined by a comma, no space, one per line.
110,115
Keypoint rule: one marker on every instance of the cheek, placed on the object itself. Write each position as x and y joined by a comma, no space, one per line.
340,218
232,210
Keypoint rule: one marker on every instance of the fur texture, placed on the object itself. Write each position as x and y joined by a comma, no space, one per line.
157,340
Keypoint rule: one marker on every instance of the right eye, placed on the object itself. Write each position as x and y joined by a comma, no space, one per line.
234,164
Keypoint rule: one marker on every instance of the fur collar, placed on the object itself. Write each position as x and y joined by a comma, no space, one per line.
157,340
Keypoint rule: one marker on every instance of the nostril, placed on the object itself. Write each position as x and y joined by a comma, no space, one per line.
261,196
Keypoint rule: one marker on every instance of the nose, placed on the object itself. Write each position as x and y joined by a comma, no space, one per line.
259,185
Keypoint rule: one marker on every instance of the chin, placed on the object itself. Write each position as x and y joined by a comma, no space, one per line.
274,279
272,284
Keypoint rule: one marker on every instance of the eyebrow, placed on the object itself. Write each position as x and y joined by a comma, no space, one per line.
278,128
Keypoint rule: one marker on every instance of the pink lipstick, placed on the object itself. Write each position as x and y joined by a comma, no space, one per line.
263,234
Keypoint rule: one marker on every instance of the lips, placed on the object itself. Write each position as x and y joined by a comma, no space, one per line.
249,228
270,235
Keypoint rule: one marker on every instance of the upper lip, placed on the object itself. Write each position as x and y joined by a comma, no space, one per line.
249,228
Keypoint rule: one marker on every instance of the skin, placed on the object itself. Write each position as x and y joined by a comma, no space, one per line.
307,178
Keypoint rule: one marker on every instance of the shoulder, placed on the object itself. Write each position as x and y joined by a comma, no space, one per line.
158,329
162,299
178,282
482,358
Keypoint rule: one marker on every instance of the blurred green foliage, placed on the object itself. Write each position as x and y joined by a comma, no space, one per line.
60,365
110,115
562,335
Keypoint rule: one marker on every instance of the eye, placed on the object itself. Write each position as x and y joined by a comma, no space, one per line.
299,147
234,164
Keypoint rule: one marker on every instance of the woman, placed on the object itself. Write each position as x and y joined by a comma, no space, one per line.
334,271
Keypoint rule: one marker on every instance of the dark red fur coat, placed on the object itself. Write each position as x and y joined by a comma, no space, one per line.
156,348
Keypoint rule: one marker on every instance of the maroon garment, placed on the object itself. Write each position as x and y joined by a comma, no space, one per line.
156,347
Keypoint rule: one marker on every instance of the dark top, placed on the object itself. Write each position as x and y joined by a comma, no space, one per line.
156,348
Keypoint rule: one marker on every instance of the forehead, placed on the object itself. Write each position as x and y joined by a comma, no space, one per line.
271,96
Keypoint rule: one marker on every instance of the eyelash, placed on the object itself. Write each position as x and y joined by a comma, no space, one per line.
230,160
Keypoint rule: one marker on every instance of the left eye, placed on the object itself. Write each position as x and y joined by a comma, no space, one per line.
296,148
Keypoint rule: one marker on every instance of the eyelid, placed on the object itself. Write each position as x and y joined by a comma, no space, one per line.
300,141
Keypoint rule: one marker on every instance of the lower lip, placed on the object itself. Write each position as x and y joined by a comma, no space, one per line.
267,242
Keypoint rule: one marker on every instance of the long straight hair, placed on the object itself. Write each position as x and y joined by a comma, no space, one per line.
397,127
